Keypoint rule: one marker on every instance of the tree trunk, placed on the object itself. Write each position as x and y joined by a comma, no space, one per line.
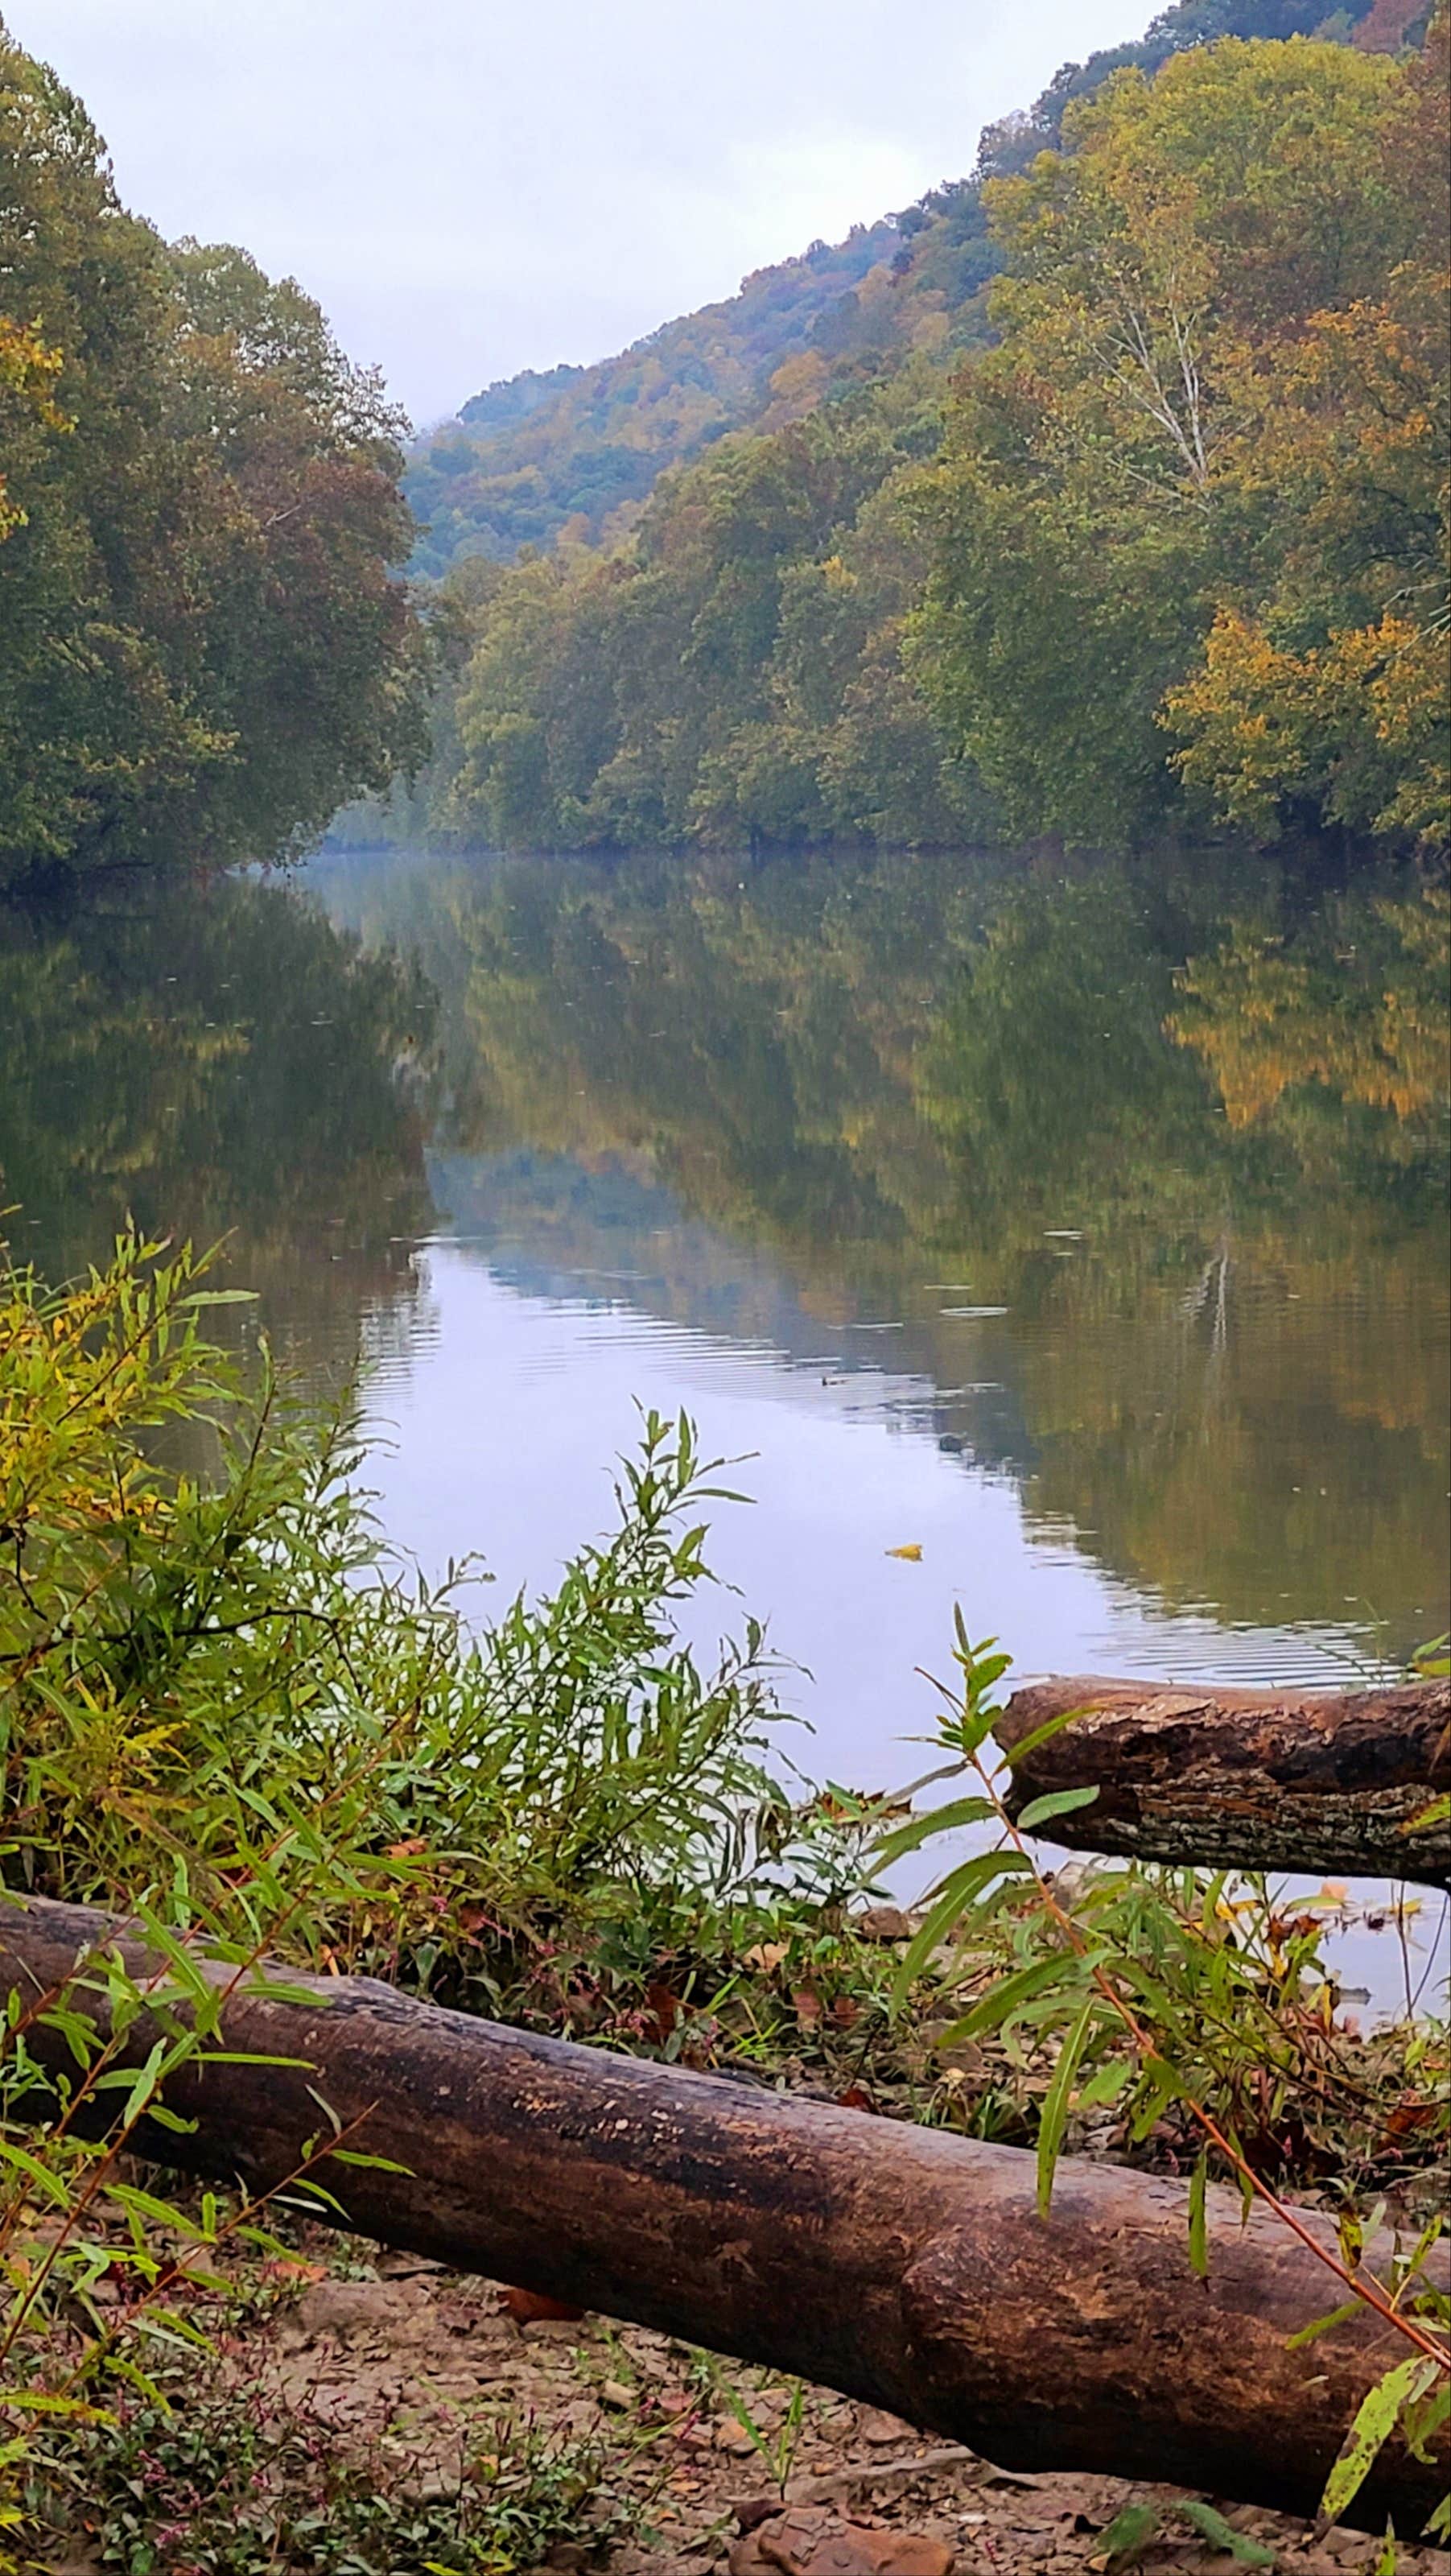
1260,1780
901,2265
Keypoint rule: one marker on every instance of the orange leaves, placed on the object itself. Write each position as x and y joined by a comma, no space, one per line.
1357,725
532,2308
1256,1014
663,2010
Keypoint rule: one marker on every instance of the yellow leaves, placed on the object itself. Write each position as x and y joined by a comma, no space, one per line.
28,372
911,1554
1358,725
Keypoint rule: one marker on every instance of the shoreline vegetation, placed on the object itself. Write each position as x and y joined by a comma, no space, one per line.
1101,496
206,644
233,1718
1114,504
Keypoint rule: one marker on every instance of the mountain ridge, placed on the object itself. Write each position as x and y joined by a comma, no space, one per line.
570,454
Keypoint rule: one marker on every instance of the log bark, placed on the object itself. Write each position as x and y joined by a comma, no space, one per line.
905,2267
1257,1780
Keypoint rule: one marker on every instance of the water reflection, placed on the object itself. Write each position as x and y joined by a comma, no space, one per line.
1084,1225
1124,1185
219,1060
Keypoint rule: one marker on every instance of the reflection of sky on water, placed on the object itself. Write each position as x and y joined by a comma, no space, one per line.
842,1459
834,1154
872,1452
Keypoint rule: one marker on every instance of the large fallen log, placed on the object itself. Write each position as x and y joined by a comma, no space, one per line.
904,2266
1257,1780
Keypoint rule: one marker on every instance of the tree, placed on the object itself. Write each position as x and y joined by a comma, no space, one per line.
1322,684
1217,352
204,647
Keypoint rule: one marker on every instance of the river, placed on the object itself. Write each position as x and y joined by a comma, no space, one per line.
1081,1226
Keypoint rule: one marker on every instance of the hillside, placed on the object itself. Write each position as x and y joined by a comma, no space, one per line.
573,452
562,453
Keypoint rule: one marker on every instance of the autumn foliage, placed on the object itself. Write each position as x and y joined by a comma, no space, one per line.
1199,489
204,644
1136,518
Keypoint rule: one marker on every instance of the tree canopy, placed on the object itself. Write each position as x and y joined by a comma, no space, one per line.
1198,489
205,645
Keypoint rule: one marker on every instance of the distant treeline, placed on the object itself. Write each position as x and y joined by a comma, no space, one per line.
1136,514
204,643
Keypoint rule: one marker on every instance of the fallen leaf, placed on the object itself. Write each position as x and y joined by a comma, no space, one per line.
808,2004
664,2010
532,2308
806,2542
767,1955
911,1553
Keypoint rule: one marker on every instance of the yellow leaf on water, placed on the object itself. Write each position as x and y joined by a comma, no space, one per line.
912,1553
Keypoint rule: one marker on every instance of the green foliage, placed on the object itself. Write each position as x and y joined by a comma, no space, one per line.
226,1714
199,1692
737,674
1391,2402
1135,2530
221,2482
797,637
203,642
574,452
1199,484
223,1710
1189,2005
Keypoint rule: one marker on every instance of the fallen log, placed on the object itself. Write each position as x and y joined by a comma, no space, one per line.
1242,1779
906,2267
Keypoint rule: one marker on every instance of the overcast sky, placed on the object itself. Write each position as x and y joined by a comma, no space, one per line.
475,186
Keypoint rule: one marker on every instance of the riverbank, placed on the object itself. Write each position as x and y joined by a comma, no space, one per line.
393,2414
558,1819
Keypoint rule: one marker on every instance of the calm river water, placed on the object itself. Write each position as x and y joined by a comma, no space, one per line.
1084,1227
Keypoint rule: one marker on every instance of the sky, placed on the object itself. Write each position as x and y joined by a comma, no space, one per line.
470,187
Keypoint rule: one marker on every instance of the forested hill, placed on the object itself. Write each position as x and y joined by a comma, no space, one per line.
562,453
1166,548
574,452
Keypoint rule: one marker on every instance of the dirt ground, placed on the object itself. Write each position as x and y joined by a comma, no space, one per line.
420,2370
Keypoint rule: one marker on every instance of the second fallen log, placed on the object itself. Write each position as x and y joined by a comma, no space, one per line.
1242,1779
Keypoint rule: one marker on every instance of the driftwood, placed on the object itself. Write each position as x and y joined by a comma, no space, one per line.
1258,1780
904,2266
